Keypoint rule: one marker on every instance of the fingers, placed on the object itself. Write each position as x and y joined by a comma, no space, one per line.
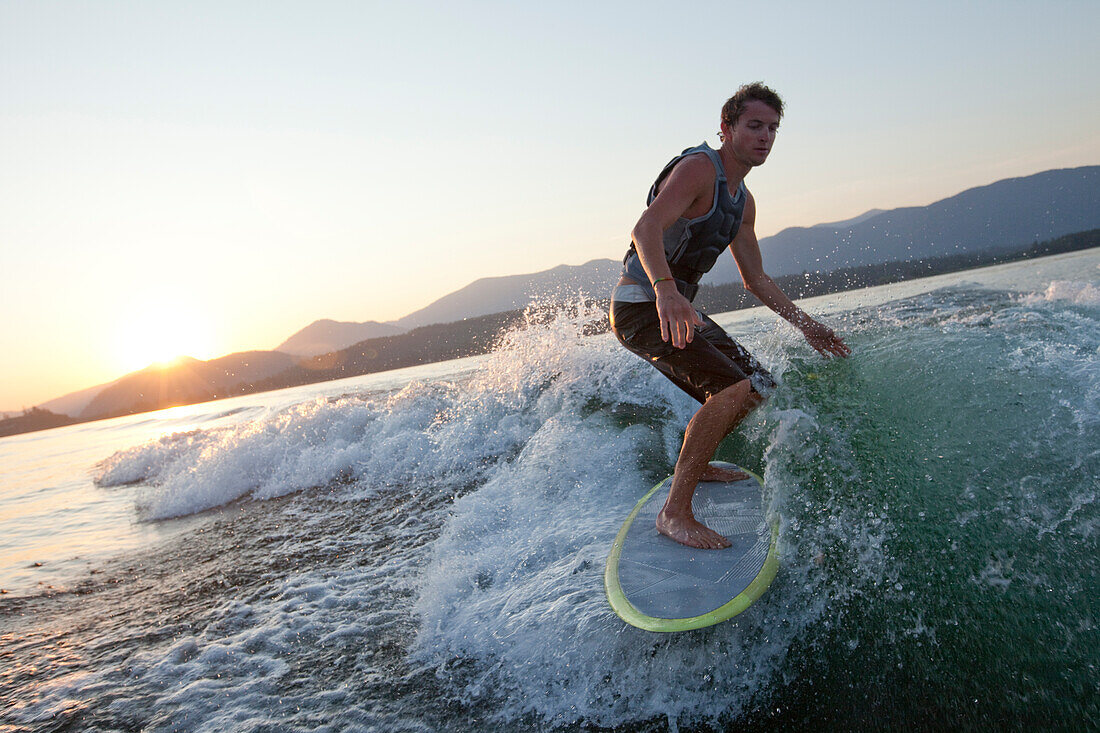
677,317
670,331
685,317
673,330
838,347
826,342
680,330
832,348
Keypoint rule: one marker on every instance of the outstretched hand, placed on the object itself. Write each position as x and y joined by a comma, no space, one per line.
678,316
825,340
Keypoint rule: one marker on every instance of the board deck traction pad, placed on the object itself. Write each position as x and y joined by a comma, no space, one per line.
687,588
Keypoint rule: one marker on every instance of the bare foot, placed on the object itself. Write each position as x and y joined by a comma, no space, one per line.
687,531
717,473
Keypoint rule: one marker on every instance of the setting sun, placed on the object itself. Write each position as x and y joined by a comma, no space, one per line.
160,333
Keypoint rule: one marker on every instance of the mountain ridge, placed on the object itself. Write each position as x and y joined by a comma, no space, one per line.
1008,213
1065,199
325,335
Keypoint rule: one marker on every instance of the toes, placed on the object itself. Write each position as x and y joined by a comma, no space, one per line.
699,537
709,540
699,540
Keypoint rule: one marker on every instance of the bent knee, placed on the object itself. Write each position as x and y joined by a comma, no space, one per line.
736,392
740,394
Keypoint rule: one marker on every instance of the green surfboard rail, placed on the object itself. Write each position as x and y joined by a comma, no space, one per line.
627,612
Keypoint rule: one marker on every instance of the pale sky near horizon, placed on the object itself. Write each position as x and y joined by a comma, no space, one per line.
209,177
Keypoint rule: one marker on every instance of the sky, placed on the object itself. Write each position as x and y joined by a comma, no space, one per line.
202,178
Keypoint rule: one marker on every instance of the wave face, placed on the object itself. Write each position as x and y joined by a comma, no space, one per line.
431,558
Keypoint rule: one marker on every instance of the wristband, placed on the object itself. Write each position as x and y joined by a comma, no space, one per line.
662,279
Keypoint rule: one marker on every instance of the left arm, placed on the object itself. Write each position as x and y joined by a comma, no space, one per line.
746,252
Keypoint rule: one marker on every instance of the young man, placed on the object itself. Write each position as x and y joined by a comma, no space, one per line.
698,206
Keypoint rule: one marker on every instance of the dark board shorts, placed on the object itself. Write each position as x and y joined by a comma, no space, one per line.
709,364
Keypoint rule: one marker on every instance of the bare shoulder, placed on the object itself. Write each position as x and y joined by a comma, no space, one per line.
696,167
695,173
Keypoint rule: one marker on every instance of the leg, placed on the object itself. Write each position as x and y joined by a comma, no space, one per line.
762,383
718,416
724,377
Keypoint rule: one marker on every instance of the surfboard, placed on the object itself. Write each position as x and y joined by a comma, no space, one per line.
657,584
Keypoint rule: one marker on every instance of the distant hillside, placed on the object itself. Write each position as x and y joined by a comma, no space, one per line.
185,382
31,420
424,345
1007,214
733,296
194,381
321,337
849,222
497,294
74,403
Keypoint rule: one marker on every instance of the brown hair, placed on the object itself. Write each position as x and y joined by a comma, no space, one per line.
735,105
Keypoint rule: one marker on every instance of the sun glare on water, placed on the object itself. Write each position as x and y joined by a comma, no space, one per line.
160,334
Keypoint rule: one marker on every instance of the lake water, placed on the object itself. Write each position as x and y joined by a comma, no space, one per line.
423,549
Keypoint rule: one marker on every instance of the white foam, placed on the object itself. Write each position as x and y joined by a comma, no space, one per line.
506,604
427,430
1071,291
515,583
512,615
235,670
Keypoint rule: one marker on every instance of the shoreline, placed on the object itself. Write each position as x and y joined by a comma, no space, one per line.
475,336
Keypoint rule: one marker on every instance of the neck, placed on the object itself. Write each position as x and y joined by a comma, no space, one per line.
736,169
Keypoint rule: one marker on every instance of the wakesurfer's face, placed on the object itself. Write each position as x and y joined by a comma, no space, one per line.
751,139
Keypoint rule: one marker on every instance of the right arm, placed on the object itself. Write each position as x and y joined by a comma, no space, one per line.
691,181
746,252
